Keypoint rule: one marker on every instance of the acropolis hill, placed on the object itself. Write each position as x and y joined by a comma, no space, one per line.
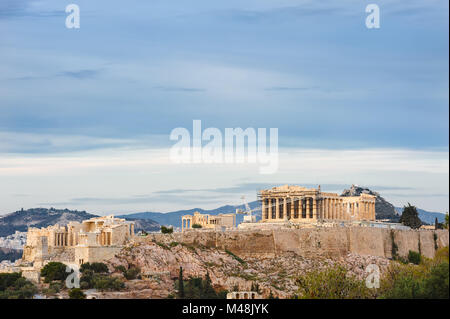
298,224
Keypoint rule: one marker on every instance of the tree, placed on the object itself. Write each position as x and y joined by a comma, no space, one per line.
410,217
196,226
96,267
180,284
54,271
208,290
76,293
446,220
166,230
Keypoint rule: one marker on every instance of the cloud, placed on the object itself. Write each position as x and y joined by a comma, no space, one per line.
178,89
285,88
78,74
26,8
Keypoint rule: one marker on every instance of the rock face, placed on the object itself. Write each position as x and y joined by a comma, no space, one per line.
160,263
383,209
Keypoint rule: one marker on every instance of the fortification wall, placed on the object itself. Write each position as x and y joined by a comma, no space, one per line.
330,242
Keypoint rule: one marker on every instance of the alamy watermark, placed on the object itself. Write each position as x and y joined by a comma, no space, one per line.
373,278
236,145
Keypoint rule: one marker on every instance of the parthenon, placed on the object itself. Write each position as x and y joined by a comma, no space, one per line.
296,203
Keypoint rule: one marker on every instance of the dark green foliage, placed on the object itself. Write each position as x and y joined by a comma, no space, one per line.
14,286
394,248
102,282
180,284
435,238
196,226
132,273
437,284
198,288
428,280
76,293
95,267
89,279
54,271
410,217
166,230
414,257
332,283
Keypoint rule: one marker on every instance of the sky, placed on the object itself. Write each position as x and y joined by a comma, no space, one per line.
86,114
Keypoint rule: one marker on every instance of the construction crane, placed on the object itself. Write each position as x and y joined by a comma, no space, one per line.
249,218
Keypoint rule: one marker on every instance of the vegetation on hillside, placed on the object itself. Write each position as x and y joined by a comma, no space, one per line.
14,286
411,278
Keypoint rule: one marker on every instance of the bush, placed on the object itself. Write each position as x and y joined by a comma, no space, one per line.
14,286
76,293
429,279
95,267
54,271
132,273
414,257
103,283
166,230
196,226
331,283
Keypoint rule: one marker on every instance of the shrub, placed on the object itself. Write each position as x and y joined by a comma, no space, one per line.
414,257
54,271
14,286
196,226
132,273
76,293
96,267
331,283
103,283
166,230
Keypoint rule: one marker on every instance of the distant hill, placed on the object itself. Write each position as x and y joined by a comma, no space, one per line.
43,217
383,209
174,218
425,216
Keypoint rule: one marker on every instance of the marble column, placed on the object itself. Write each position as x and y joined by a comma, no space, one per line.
285,207
307,208
277,208
314,208
269,208
263,209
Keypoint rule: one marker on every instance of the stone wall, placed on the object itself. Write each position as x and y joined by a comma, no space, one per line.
329,242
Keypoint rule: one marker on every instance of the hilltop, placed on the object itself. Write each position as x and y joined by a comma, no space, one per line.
43,217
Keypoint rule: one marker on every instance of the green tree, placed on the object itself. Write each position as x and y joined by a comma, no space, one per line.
166,230
414,257
332,283
208,290
446,220
410,217
196,226
76,293
54,271
14,286
180,284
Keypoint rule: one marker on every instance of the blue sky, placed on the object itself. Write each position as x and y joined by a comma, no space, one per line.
135,70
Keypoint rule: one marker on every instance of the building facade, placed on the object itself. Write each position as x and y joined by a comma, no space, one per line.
299,204
91,240
208,221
